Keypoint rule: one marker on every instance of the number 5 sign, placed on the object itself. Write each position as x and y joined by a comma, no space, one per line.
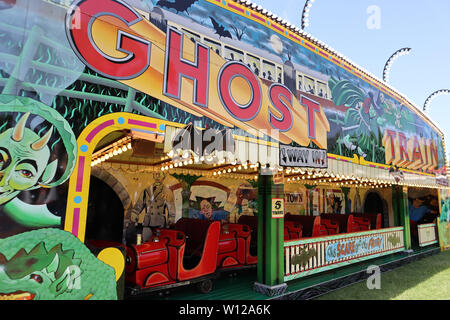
277,208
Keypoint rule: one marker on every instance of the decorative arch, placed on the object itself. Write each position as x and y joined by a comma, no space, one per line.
115,184
78,193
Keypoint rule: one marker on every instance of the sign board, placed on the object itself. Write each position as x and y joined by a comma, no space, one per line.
241,84
277,208
294,197
278,178
349,248
302,157
442,180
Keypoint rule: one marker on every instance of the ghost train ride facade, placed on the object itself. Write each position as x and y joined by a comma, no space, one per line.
148,145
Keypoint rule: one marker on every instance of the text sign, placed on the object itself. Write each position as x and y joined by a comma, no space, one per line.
188,75
277,208
349,248
302,157
442,180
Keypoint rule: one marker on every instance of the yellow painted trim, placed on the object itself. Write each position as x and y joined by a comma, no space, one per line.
114,258
78,193
354,159
257,141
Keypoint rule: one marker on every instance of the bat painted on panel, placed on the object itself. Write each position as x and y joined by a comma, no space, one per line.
220,30
178,5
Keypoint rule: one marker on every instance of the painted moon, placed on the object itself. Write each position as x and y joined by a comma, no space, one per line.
276,43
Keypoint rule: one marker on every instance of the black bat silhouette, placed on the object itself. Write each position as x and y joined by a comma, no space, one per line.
178,5
220,30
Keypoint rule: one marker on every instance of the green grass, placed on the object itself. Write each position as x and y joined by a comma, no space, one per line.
425,279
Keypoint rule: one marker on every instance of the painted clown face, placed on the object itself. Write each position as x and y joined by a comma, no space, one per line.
206,208
24,157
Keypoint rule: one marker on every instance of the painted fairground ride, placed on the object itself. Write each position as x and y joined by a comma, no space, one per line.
152,144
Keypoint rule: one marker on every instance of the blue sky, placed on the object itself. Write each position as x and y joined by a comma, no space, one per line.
420,25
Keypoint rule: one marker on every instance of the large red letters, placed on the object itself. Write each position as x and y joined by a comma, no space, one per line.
79,23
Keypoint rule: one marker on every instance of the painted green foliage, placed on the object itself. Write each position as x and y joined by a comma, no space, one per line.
368,114
52,264
359,128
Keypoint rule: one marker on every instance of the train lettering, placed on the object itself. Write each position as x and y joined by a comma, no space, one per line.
412,152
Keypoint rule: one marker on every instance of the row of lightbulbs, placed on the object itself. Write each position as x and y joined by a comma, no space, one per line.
342,183
307,174
305,14
185,157
391,60
230,173
433,95
235,168
115,150
359,182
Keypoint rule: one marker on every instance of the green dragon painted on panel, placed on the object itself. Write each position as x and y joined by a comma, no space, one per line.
52,264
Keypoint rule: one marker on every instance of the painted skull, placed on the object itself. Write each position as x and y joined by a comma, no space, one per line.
24,157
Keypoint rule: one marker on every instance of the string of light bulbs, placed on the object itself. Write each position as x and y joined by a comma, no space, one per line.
434,95
390,61
305,13
114,149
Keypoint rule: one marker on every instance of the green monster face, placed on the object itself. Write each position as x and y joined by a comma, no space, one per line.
38,274
53,264
24,157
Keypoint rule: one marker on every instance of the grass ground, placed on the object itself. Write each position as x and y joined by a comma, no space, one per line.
425,279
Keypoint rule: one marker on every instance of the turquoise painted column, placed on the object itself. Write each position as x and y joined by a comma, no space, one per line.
270,266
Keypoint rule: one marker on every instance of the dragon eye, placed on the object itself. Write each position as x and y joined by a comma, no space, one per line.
36,278
26,173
